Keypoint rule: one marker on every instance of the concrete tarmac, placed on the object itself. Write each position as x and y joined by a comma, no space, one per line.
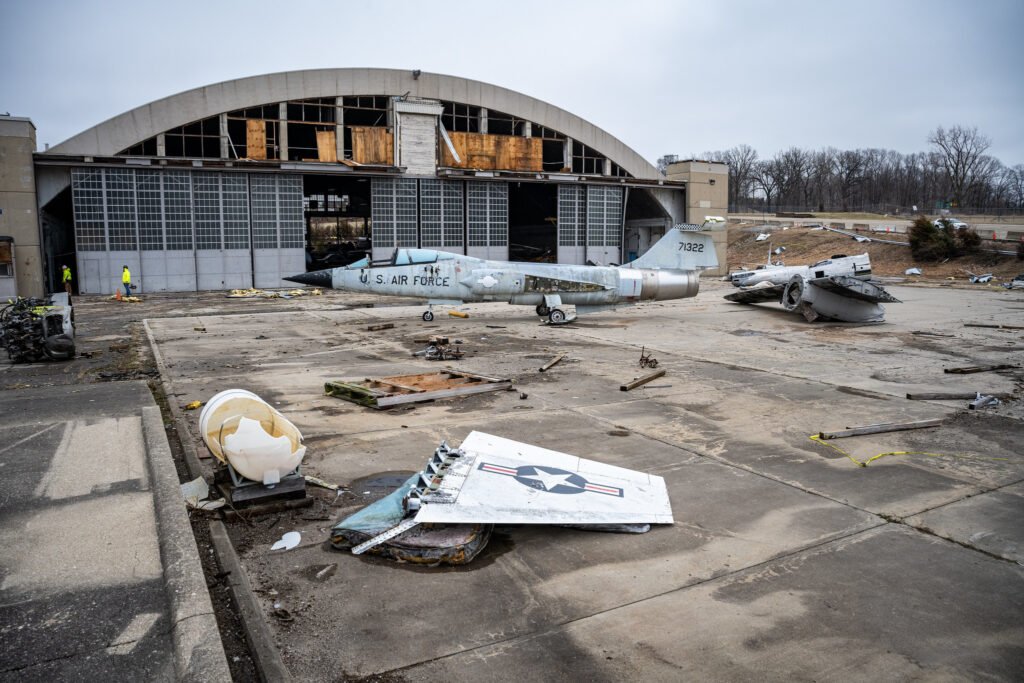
97,582
788,559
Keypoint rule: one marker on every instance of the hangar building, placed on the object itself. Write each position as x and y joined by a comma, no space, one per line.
241,183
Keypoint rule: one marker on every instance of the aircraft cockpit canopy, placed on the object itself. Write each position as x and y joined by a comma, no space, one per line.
405,257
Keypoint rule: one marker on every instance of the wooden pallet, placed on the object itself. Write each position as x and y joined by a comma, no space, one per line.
385,392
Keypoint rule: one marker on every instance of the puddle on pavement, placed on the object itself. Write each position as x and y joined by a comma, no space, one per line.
376,486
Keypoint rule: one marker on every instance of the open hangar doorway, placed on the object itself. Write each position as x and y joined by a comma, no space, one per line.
533,222
337,213
646,222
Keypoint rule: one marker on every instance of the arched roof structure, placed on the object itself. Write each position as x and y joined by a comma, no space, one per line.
127,129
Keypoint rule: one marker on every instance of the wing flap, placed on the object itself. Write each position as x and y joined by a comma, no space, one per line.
855,288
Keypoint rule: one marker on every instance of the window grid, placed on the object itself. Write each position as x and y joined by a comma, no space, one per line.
487,209
207,202
572,217
441,214
177,188
235,195
604,216
292,221
120,201
87,200
393,209
150,208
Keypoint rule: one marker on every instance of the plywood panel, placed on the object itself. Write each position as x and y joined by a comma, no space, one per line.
494,152
372,145
326,147
256,139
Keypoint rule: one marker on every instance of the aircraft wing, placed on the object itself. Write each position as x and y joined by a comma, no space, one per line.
854,288
757,294
500,481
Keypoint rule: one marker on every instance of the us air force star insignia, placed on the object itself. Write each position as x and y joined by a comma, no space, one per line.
550,479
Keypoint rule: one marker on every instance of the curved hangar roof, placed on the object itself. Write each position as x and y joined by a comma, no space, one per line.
121,132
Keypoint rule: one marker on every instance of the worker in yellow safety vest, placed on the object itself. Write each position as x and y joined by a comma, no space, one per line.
126,280
65,277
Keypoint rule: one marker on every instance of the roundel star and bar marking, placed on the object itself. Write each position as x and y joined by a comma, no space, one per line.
551,479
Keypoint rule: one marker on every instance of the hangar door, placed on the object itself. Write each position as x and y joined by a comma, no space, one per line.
589,224
186,230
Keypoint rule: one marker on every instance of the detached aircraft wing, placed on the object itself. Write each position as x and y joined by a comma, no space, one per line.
492,480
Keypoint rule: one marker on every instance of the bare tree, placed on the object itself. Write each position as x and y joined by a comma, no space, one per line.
962,153
663,162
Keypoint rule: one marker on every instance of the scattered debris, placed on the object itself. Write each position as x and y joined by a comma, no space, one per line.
551,363
378,328
861,238
523,396
389,391
271,294
288,541
913,271
281,614
979,279
317,481
971,369
327,572
881,428
647,360
778,251
199,329
37,329
762,237
983,402
193,405
463,492
458,314
1015,283
197,493
995,327
629,386
440,348
950,396
260,447
924,333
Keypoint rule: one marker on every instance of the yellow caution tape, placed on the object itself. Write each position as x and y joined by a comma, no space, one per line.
816,438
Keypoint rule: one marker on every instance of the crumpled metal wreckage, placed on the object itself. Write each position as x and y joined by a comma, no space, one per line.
446,513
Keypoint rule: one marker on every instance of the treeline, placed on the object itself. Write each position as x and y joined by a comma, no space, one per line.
956,173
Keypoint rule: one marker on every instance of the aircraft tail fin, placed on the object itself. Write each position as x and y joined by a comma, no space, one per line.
679,250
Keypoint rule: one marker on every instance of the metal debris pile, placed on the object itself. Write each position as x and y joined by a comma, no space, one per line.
37,329
441,348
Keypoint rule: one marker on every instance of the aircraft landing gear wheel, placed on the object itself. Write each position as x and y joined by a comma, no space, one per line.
427,316
542,310
556,316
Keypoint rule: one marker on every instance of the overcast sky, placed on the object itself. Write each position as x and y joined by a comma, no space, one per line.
664,77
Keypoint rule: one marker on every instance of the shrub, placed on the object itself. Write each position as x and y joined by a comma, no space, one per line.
929,243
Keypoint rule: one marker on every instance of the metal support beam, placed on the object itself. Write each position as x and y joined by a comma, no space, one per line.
339,127
282,131
482,123
225,152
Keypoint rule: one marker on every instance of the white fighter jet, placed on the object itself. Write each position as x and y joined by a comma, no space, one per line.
669,270
838,288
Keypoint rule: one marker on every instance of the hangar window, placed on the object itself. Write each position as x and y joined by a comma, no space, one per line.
90,218
604,216
253,132
460,118
196,140
312,130
146,148
366,110
121,209
499,123
394,212
148,198
586,160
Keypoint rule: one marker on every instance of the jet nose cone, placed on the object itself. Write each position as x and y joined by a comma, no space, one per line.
316,278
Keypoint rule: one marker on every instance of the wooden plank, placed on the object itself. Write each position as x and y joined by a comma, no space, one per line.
995,327
494,152
256,139
372,145
970,370
442,393
326,145
953,396
880,429
629,386
551,363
